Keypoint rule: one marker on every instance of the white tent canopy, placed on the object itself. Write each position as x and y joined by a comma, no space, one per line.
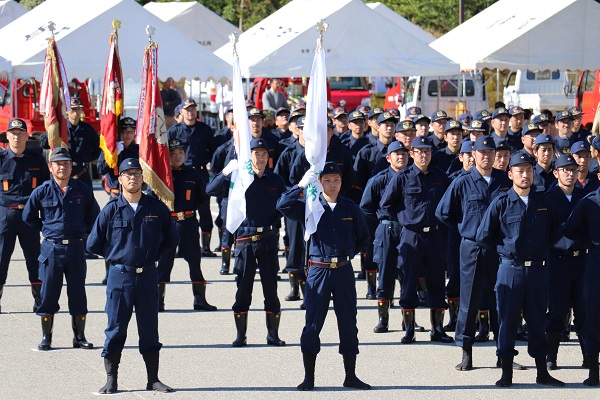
399,20
532,34
4,65
358,42
9,11
82,33
196,21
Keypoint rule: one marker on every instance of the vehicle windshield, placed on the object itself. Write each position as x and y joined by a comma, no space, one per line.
409,94
347,83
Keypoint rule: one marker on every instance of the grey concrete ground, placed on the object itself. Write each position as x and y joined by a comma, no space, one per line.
198,361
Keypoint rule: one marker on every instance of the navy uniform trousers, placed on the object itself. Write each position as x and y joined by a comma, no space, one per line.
189,249
387,238
248,257
521,288
591,295
11,227
206,222
321,284
125,290
296,258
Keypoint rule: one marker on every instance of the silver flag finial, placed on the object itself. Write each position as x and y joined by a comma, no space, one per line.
321,26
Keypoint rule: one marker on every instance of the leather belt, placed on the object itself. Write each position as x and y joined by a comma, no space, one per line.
182,215
127,268
526,263
17,207
64,241
328,265
256,238
80,164
575,253
425,229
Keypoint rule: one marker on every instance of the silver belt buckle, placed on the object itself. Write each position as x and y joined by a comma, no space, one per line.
254,238
259,230
20,206
334,263
527,263
64,241
576,253
426,229
139,270
180,216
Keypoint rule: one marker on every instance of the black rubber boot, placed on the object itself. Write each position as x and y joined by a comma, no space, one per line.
437,329
161,296
515,365
543,377
241,325
507,372
303,290
47,323
309,361
593,379
467,358
566,333
225,261
151,360
484,326
1,291
218,248
383,309
273,330
36,292
79,340
553,340
106,267
409,322
206,252
111,365
453,314
200,303
351,380
294,287
371,285
584,363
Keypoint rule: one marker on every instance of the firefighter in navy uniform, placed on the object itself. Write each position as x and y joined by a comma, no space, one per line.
21,171
256,241
341,233
131,232
64,210
190,194
201,147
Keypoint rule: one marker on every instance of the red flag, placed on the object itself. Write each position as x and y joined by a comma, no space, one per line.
54,97
112,101
151,131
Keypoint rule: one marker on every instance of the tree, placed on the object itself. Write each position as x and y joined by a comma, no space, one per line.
29,4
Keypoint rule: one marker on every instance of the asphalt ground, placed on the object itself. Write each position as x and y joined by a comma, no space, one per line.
197,359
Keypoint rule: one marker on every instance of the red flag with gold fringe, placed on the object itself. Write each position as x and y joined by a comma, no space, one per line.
112,100
54,97
151,132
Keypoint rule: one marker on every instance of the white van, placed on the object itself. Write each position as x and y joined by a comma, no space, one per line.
540,90
457,94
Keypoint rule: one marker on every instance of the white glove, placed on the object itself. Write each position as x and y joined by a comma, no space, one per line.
120,147
229,168
309,177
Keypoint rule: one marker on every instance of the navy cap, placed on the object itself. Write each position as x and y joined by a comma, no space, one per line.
330,168
520,157
295,115
259,143
374,112
127,122
329,122
438,115
60,154
422,117
596,143
482,115
452,124
477,125
564,160
544,138
421,142
396,146
249,103
412,112
300,121
467,146
503,145
394,111
500,111
17,124
541,118
281,110
465,117
300,106
338,112
563,115
177,110
364,109
253,112
189,103
129,163
177,144
531,128
227,110
386,116
485,143
580,146
354,115
516,110
76,102
406,125
575,111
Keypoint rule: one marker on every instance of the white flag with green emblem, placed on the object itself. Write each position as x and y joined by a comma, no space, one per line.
315,133
243,177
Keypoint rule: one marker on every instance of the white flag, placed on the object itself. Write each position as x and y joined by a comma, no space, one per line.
315,133
243,176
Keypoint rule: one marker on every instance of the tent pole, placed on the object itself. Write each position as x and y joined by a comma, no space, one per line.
497,84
